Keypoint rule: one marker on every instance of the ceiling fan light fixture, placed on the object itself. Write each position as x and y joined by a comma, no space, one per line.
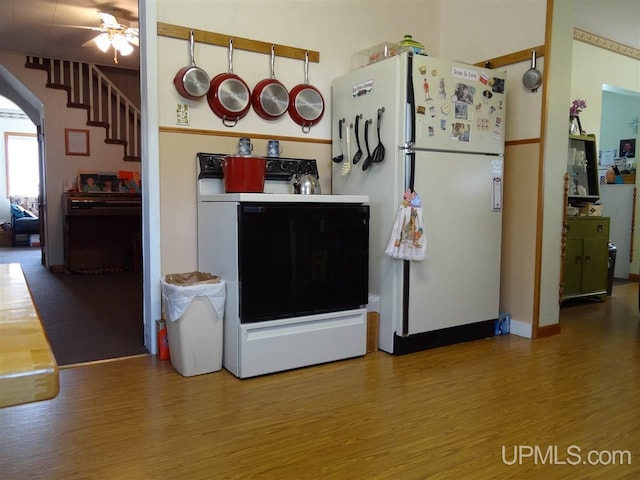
103,42
119,41
126,49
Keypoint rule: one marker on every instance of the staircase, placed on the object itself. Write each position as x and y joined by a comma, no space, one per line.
88,88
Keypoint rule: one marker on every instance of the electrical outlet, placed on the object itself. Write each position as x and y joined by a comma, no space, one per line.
183,116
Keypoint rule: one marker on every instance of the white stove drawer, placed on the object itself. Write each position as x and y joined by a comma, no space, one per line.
267,347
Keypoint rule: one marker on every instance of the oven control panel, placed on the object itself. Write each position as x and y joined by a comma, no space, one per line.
280,168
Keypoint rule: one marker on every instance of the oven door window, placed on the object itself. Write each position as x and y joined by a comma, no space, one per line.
301,259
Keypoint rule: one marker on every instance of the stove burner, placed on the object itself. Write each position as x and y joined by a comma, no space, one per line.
279,169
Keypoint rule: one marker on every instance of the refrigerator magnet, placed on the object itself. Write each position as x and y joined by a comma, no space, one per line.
445,108
421,110
423,69
442,91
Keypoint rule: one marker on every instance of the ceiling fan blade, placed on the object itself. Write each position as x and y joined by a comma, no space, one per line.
132,31
109,19
133,40
83,27
90,43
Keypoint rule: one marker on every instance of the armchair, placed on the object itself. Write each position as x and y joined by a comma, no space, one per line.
24,223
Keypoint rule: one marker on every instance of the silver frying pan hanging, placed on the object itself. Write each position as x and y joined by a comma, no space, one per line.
532,78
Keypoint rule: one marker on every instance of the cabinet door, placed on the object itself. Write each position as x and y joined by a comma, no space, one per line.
595,265
573,267
586,260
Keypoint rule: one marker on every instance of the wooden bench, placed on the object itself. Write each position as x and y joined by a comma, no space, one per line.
28,369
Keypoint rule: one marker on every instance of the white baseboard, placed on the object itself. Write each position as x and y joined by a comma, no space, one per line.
522,329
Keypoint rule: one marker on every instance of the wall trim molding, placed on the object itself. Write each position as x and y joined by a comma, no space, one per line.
602,42
225,133
547,330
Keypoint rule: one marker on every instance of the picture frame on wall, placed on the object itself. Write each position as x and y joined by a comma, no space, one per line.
627,148
76,142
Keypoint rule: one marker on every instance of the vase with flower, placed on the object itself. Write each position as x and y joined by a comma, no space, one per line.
577,106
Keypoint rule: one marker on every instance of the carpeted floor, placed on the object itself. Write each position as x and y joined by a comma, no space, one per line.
86,317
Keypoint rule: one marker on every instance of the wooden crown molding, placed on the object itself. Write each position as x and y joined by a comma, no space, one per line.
602,42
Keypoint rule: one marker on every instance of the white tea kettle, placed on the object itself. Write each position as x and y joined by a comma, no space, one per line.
306,184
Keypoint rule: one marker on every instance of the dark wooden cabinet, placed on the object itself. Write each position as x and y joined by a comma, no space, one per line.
586,257
102,232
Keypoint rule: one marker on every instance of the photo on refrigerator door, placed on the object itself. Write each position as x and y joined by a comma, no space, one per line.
460,131
464,93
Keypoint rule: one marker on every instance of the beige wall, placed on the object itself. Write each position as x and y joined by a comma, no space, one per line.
178,187
519,234
336,29
59,166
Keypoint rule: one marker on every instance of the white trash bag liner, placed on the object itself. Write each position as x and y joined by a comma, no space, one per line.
178,290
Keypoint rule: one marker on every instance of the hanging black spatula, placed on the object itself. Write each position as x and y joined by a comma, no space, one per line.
358,155
338,158
379,151
367,161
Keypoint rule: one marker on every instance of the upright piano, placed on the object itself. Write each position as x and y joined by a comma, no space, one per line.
102,232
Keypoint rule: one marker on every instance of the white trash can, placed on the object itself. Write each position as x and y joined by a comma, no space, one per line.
194,316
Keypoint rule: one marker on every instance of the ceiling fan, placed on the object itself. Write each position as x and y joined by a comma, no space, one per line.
112,34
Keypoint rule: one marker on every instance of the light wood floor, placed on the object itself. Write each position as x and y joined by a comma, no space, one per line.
441,414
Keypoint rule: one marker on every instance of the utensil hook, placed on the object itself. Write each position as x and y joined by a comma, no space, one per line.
306,68
231,55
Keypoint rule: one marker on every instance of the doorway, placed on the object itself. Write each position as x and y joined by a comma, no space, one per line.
87,317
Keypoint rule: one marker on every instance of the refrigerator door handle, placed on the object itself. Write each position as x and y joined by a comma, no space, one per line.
407,147
411,102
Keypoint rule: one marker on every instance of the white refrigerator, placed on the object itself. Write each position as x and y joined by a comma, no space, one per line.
442,127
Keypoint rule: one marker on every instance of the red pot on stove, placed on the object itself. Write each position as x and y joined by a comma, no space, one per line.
244,174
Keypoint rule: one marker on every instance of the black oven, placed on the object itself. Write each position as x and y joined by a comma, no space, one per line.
299,259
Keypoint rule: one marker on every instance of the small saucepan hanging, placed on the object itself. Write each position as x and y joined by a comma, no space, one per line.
229,96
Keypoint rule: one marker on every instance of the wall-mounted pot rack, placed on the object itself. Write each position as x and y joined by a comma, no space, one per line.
239,43
511,58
